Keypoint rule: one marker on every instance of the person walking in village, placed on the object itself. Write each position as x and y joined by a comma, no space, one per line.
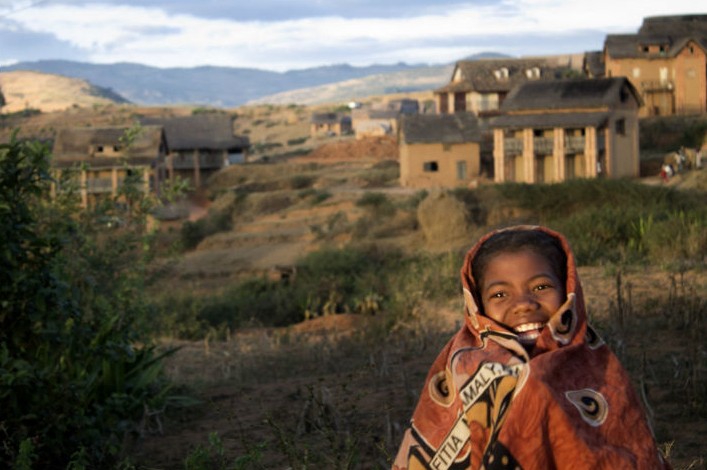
526,383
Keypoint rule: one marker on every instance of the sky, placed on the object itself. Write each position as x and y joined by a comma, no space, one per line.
283,35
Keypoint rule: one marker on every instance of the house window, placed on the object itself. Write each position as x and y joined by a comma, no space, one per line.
501,74
461,170
99,149
533,73
116,148
430,167
459,102
621,126
446,146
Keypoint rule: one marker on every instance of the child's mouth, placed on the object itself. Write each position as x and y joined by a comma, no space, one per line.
528,333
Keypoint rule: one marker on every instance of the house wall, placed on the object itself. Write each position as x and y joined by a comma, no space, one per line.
414,157
622,155
480,102
619,156
668,85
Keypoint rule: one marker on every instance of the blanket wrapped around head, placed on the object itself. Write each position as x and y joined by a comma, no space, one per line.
488,404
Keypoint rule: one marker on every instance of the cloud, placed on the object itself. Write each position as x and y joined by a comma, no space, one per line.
177,37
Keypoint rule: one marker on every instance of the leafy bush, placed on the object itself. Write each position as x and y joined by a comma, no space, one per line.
297,141
76,372
301,181
192,233
616,220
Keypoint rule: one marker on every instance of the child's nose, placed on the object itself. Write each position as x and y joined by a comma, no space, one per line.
525,302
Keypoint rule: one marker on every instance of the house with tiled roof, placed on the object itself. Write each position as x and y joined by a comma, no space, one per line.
200,145
439,150
563,129
105,157
480,86
666,61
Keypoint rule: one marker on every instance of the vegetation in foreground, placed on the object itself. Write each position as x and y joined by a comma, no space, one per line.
81,377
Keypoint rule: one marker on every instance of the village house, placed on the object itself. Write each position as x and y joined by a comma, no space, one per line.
564,129
329,124
439,150
666,61
200,145
480,86
381,119
105,157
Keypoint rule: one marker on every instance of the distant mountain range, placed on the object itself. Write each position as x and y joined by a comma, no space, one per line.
231,87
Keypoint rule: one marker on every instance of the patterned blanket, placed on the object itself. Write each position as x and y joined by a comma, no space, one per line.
487,404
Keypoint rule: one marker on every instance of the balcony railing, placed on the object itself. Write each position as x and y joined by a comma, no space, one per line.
186,162
99,185
574,144
512,146
655,85
543,145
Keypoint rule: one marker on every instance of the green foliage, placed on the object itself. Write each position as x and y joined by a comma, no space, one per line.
297,141
192,233
378,204
617,220
73,380
301,181
213,457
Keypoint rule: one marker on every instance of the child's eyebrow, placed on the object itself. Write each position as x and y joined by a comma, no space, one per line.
502,282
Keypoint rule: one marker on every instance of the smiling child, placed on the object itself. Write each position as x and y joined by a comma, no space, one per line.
526,383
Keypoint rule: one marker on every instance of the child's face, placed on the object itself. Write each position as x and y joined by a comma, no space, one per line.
521,290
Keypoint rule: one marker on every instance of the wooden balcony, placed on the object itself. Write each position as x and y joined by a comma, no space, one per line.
574,144
512,146
543,145
657,86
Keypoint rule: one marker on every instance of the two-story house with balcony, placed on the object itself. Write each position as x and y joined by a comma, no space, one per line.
666,62
480,86
200,145
438,150
106,156
564,129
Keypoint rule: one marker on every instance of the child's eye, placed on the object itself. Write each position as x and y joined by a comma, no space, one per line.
544,286
497,295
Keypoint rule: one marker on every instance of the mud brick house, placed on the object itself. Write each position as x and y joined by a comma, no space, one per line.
439,150
104,159
563,129
666,61
382,118
480,86
200,145
329,124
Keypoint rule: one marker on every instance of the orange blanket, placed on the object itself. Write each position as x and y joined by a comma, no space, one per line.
486,404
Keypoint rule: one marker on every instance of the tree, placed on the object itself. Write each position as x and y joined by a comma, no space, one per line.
76,369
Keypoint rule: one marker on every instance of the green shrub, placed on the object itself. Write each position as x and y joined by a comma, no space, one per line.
297,141
301,181
378,204
76,370
193,232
